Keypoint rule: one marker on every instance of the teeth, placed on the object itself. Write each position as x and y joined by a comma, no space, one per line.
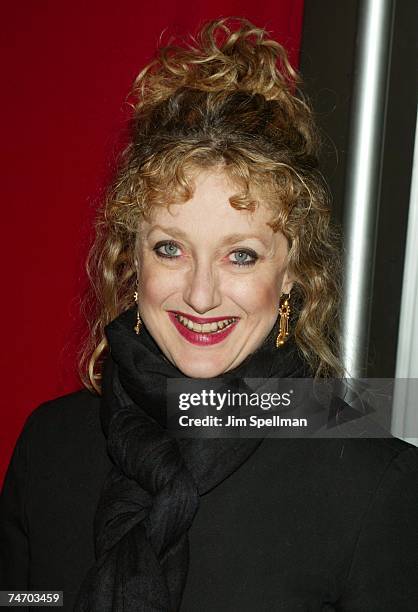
206,327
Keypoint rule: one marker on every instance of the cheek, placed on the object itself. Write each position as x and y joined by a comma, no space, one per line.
156,283
153,289
256,294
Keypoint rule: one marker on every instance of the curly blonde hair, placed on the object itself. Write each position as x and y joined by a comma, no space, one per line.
227,99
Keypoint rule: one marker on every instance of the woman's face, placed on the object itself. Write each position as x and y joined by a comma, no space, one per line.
210,278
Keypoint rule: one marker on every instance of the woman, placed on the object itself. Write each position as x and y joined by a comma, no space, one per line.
217,226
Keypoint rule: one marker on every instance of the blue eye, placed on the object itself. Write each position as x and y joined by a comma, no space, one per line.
244,258
170,249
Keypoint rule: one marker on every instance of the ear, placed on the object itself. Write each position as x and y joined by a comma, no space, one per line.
287,282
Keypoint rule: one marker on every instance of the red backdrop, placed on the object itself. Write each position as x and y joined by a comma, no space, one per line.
67,67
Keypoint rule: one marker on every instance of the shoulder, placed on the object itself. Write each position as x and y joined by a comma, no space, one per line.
346,472
76,409
376,456
373,454
67,425
60,446
386,537
369,462
379,467
363,457
62,449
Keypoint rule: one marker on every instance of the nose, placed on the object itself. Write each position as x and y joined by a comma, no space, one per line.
202,291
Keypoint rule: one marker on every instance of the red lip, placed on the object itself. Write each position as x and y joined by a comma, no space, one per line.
201,320
201,338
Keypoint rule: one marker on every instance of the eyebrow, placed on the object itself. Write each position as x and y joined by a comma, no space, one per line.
230,239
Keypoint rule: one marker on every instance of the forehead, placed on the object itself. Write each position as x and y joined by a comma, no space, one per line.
209,211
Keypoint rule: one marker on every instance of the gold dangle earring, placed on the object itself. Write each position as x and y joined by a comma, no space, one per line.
137,327
284,312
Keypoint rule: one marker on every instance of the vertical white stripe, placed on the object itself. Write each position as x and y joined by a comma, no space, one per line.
405,404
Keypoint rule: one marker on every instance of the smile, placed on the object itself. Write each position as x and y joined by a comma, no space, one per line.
203,333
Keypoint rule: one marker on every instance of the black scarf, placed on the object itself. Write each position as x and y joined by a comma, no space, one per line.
151,495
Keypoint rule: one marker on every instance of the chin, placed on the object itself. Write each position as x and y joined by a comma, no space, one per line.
200,369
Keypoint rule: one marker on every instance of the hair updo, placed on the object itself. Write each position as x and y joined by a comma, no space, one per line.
229,100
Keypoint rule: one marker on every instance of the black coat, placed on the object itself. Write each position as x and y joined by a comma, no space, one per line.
303,525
